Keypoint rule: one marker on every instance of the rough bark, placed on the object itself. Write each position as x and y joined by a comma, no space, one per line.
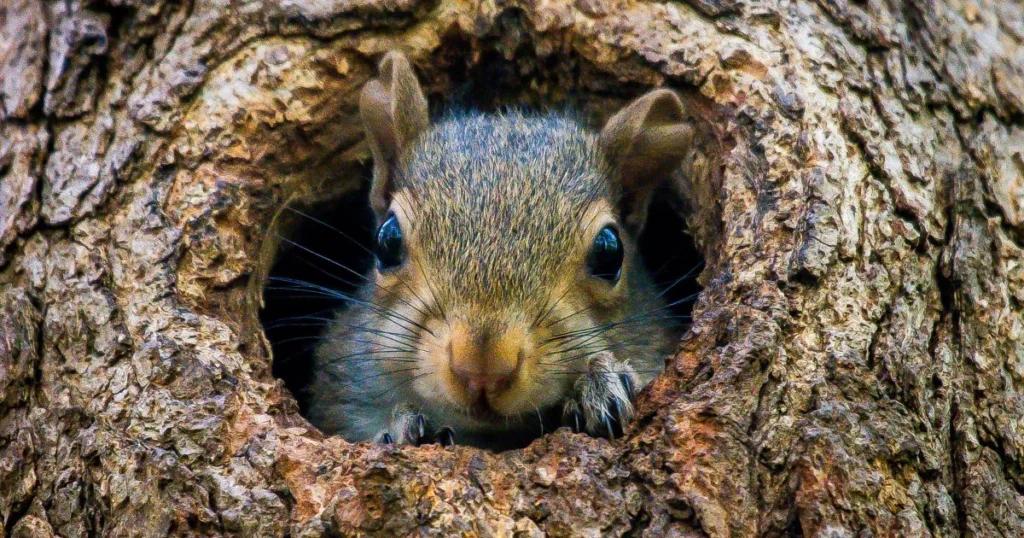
856,360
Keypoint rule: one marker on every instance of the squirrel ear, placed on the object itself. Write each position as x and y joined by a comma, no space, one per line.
394,112
644,143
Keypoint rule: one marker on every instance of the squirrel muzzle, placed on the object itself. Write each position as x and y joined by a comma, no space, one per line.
484,361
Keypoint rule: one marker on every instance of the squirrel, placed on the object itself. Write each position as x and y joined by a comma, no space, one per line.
507,284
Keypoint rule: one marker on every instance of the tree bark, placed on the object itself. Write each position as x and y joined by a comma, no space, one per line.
856,359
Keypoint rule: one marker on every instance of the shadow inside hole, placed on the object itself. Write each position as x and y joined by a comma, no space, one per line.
494,81
671,256
325,257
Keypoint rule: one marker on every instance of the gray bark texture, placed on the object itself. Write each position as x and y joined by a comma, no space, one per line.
856,362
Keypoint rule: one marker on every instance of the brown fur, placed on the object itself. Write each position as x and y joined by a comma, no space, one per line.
498,214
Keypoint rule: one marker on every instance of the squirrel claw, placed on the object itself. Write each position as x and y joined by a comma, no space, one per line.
416,432
572,417
603,404
421,427
628,383
613,420
413,428
445,436
609,428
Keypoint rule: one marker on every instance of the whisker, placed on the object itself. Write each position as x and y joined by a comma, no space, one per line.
297,339
383,354
385,291
638,339
354,272
584,372
574,337
337,293
357,381
381,347
576,313
300,293
677,282
608,347
396,338
369,251
399,385
628,319
546,313
320,256
377,359
591,334
340,295
664,291
330,227
439,313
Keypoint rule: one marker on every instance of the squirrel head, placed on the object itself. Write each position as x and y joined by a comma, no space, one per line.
505,237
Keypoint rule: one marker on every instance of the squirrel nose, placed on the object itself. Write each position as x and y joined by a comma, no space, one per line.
482,363
477,384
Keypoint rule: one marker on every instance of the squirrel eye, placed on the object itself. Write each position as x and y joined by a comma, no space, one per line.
605,259
389,244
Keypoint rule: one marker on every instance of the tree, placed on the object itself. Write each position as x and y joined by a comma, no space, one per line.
855,364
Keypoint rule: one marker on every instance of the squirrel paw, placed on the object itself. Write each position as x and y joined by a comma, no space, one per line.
411,428
603,404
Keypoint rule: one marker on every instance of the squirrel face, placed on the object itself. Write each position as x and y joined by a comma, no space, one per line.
506,252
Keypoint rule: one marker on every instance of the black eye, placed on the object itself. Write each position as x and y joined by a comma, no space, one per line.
605,259
389,244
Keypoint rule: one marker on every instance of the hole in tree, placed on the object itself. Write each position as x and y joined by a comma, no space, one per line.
316,265
321,259
322,254
671,256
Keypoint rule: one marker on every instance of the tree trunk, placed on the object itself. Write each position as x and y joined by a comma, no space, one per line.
856,362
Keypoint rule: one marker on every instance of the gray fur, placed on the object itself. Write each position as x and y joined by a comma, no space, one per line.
501,188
